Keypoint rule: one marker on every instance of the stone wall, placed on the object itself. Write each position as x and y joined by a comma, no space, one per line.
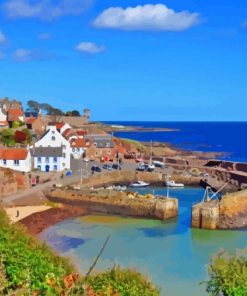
229,213
119,203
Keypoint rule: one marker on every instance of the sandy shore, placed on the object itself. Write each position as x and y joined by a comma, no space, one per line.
39,221
24,212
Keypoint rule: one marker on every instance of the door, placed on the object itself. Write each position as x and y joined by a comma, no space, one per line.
47,168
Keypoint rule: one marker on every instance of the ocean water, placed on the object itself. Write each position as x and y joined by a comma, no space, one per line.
228,137
170,253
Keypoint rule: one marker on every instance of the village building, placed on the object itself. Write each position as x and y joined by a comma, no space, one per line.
7,104
37,124
3,119
79,147
52,151
14,115
103,148
18,159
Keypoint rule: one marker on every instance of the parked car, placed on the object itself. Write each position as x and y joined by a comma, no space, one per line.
96,169
159,164
107,167
116,166
86,159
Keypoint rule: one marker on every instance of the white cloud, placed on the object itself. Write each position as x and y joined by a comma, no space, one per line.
148,17
27,55
3,38
44,9
90,47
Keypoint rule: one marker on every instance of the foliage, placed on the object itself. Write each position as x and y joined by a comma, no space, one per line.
28,264
29,268
34,105
10,137
75,113
122,282
228,275
17,124
7,137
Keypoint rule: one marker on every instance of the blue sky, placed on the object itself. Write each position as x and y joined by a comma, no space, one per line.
174,60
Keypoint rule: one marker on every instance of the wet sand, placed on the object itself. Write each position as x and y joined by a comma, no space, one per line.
39,221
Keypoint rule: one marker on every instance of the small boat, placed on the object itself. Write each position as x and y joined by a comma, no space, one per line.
151,168
139,184
173,184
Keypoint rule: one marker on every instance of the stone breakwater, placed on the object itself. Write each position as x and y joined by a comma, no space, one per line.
229,213
118,203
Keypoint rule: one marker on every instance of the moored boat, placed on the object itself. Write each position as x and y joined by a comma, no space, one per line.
139,184
172,183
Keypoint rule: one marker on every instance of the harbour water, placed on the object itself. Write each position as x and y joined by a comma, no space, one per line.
227,137
170,253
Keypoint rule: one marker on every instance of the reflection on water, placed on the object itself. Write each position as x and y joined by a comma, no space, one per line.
174,256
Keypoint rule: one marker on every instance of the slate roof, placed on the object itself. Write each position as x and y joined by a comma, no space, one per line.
48,152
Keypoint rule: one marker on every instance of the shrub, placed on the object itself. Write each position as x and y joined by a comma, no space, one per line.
228,275
122,282
29,268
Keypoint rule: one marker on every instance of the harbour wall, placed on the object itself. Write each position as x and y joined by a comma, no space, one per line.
118,203
229,213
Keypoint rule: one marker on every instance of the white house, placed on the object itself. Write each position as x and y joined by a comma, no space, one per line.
52,151
3,119
78,148
18,159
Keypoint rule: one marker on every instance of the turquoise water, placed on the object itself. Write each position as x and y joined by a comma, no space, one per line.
170,253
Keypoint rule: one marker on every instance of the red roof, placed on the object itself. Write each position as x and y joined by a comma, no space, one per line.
80,143
66,132
13,153
59,125
30,120
81,132
16,112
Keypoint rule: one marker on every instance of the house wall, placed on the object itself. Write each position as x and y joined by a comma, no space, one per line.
23,166
54,139
3,117
44,161
77,152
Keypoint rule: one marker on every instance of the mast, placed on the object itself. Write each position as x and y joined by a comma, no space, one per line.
151,153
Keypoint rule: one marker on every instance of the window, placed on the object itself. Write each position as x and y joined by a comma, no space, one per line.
64,155
39,159
39,167
54,159
53,138
16,162
4,161
73,149
47,159
55,167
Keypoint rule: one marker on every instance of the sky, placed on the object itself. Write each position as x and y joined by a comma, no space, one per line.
173,60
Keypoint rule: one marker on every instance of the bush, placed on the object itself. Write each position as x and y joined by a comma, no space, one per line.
228,275
29,268
122,282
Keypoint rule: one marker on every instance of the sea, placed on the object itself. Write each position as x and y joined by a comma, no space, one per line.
172,254
226,137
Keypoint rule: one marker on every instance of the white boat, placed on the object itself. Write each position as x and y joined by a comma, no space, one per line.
139,184
173,184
